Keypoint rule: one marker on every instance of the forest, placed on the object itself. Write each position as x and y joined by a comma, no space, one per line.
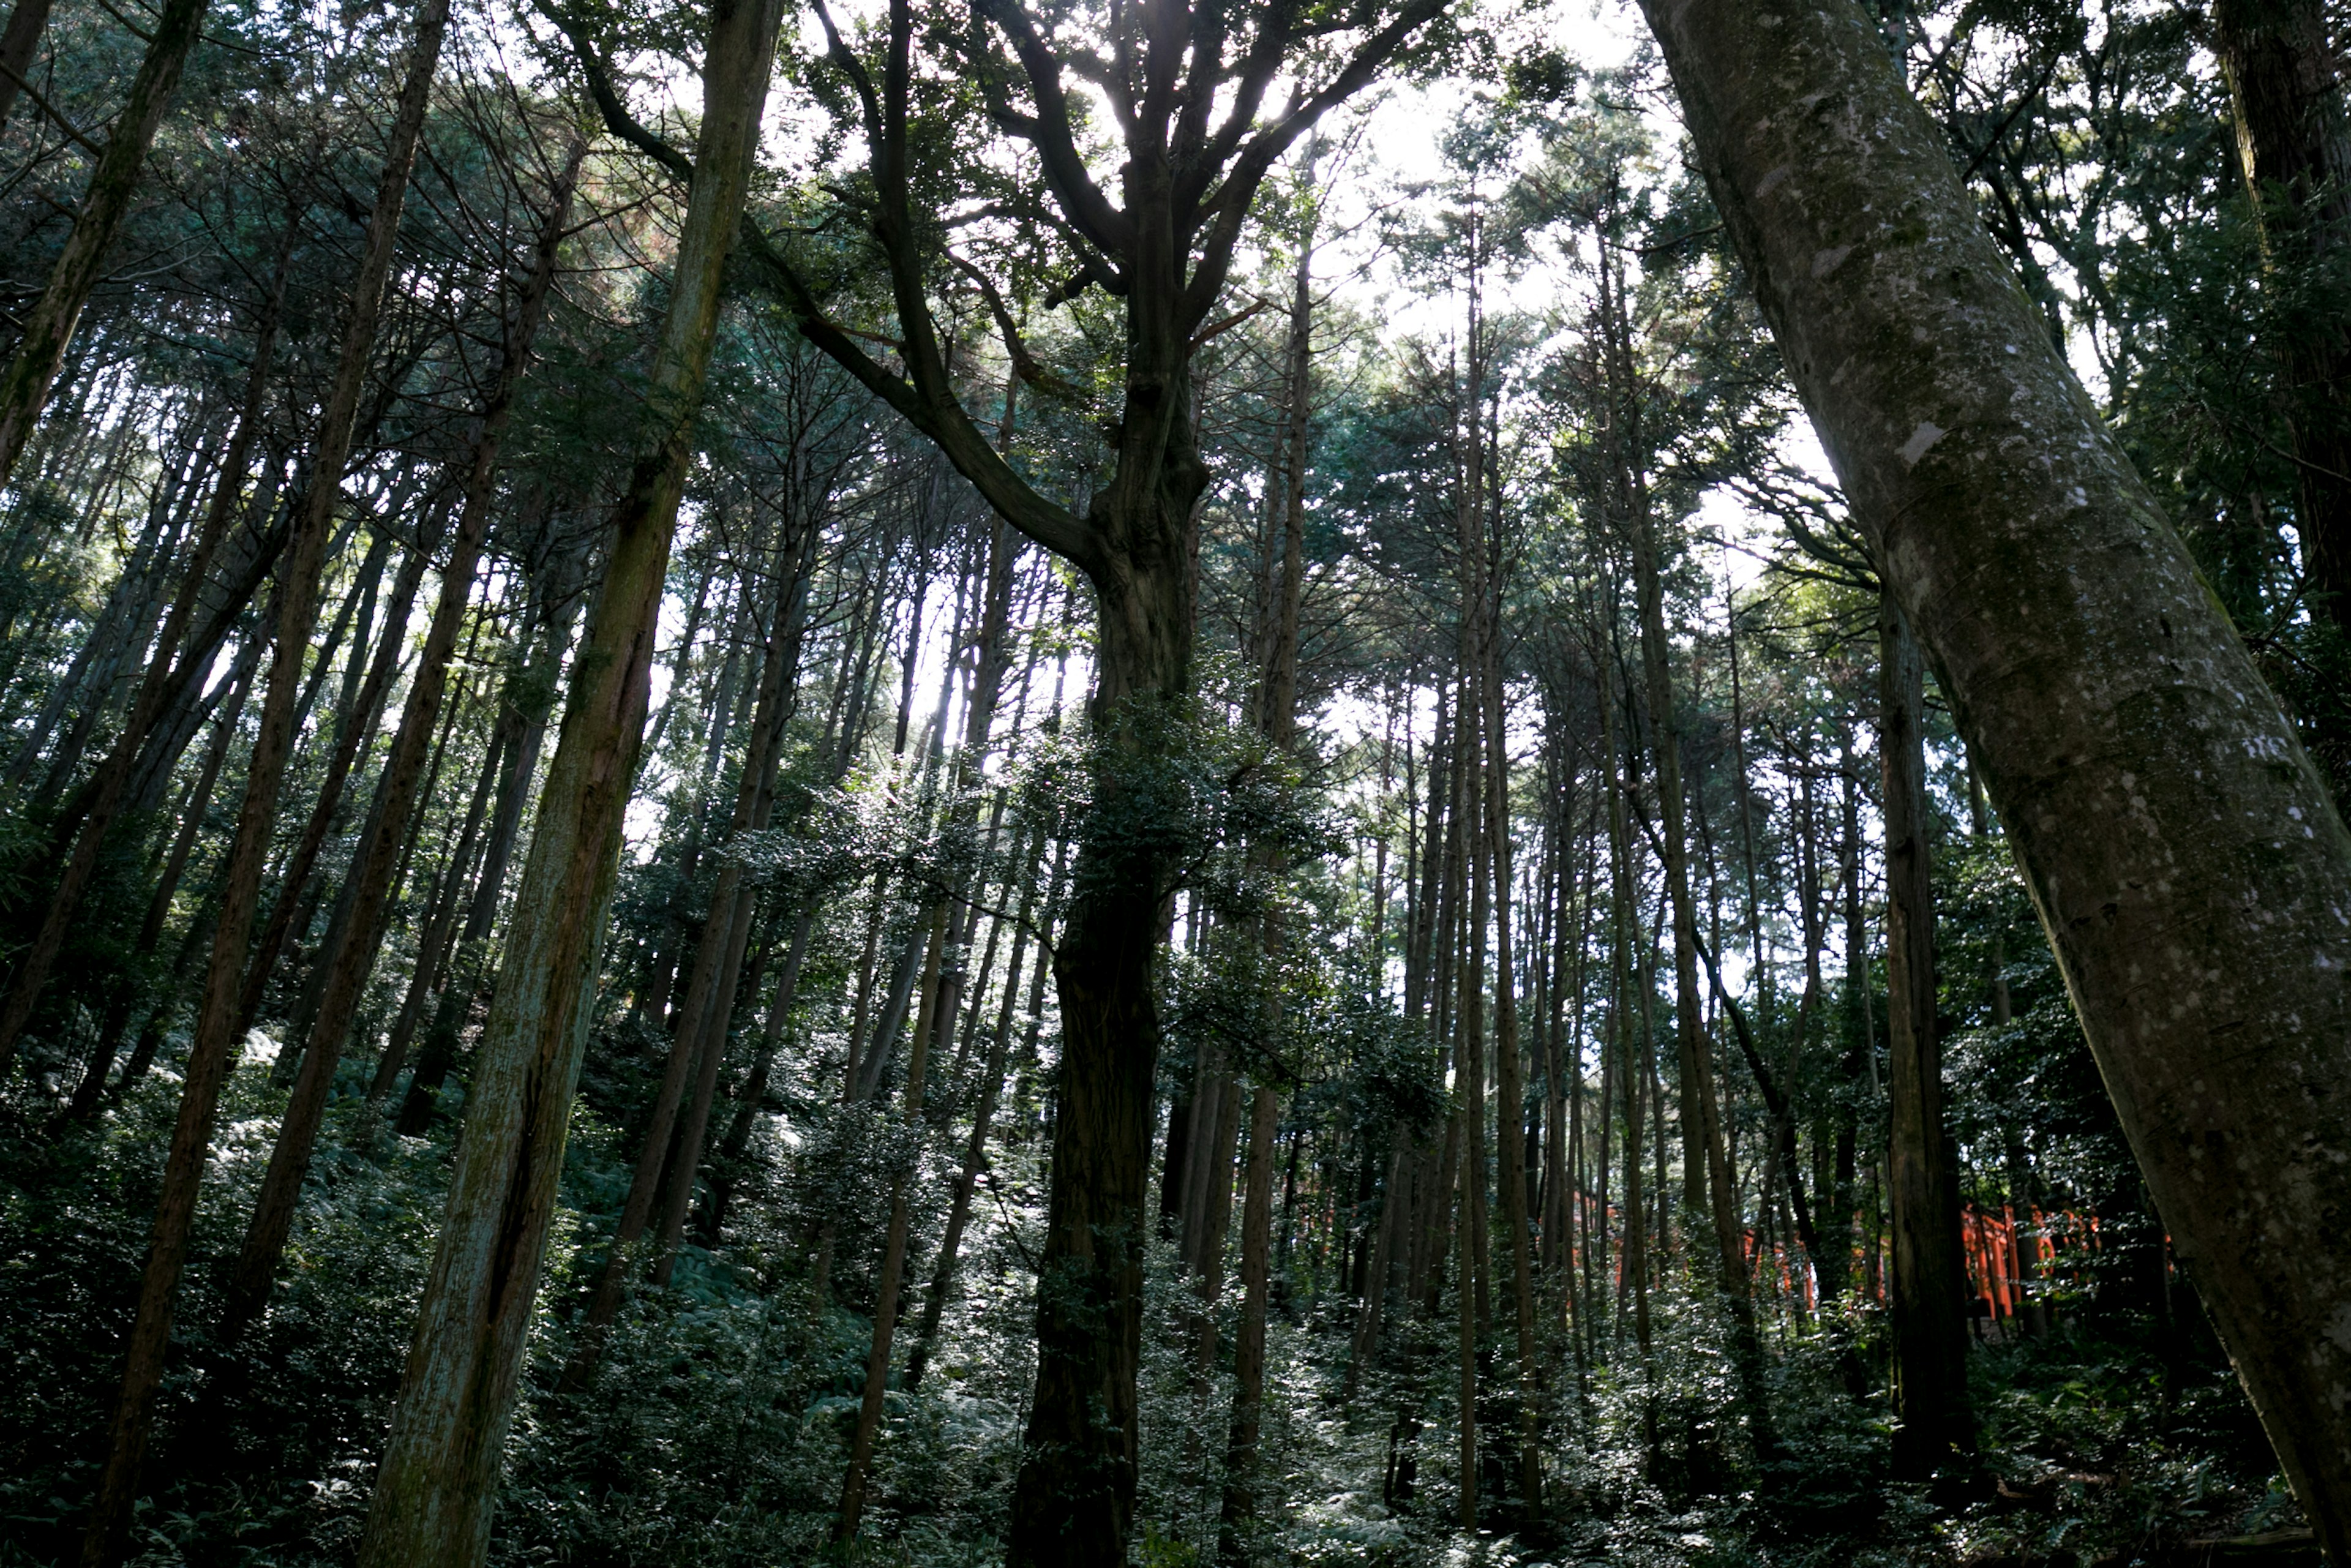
1248,782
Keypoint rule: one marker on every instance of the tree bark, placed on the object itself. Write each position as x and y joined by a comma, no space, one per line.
438,1480
2183,855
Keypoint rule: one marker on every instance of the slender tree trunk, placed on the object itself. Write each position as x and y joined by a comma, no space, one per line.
778,689
210,1053
893,1252
438,1479
1624,916
88,1095
436,932
48,327
1709,1195
354,726
27,19
975,1155
1930,1280
163,682
2295,141
348,964
1239,1506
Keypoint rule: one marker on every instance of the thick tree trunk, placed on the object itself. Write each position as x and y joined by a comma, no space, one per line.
434,1491
1074,1501
210,1052
348,964
2186,862
1930,1280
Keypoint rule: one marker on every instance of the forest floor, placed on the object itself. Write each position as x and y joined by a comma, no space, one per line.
714,1433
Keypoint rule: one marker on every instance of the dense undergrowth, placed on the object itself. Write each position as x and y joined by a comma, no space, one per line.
714,1429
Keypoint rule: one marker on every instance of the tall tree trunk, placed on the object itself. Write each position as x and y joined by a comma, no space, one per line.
27,19
893,1251
91,1092
1930,1280
438,1479
348,964
354,729
1709,1195
163,682
2183,853
779,690
48,327
211,1051
1276,702
1623,931
1238,1509
2294,139
975,1155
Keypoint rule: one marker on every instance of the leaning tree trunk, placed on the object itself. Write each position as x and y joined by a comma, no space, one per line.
48,327
211,1051
439,1478
348,964
169,676
2189,867
27,19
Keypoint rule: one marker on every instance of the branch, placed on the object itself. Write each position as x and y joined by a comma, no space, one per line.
1024,364
940,418
1219,329
1256,73
1049,132
609,104
1230,203
55,113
